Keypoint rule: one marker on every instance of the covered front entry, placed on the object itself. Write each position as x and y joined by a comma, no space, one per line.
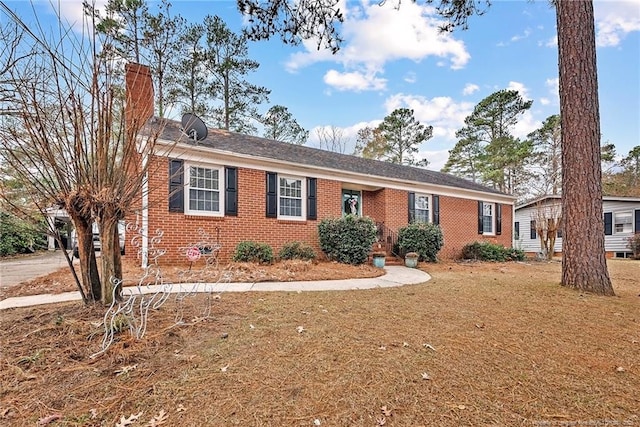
351,202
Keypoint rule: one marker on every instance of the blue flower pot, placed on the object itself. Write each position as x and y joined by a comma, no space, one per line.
411,262
378,261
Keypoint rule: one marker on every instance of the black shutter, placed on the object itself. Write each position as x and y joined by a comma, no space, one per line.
231,191
272,195
412,208
637,221
312,205
436,209
608,224
532,232
480,218
498,219
176,185
516,230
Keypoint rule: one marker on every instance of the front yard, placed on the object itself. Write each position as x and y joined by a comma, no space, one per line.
480,344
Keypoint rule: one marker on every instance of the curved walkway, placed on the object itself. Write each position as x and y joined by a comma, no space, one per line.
395,276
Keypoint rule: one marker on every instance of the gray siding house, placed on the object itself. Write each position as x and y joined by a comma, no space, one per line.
621,221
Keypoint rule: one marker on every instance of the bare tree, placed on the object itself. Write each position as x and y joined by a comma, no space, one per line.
72,144
547,218
331,138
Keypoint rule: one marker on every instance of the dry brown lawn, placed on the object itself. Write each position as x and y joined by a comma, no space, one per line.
481,344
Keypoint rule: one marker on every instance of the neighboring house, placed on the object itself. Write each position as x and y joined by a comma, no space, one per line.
621,221
238,187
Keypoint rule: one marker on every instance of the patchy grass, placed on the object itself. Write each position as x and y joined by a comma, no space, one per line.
500,344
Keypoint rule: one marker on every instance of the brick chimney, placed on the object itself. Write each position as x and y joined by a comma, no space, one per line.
139,95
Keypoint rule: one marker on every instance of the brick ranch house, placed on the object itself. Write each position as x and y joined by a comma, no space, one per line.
238,187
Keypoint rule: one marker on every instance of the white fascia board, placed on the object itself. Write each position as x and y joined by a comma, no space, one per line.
365,181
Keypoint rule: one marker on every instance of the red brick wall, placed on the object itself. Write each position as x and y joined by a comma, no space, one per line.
458,217
251,223
459,223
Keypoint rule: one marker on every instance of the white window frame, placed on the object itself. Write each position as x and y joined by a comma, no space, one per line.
187,190
429,208
629,224
492,207
303,198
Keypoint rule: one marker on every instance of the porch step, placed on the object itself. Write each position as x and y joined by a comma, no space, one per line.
391,260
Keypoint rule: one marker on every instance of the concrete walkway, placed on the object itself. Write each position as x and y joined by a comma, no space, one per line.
395,276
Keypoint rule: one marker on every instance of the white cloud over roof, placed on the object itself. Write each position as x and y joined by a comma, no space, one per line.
375,35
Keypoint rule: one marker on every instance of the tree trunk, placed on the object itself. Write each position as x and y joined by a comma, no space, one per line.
87,256
110,258
584,263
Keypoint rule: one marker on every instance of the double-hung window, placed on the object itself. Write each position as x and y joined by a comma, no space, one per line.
623,222
422,204
290,197
203,197
488,218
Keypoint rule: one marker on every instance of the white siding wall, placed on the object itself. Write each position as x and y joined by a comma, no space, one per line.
613,243
616,242
525,216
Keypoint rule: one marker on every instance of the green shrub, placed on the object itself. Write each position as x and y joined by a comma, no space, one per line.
297,250
423,238
348,239
18,236
485,251
249,251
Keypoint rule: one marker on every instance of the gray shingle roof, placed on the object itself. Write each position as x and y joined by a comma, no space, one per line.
266,148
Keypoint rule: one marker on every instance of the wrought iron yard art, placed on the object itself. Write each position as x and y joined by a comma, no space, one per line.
151,291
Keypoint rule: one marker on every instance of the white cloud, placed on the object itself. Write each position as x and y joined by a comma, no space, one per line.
410,77
375,35
545,101
72,12
554,87
521,88
552,42
443,113
437,158
349,134
524,35
614,20
526,124
355,81
470,88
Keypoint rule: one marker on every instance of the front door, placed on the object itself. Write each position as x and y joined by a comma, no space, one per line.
351,202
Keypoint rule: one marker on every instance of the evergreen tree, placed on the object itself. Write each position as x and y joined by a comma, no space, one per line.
403,135
189,78
465,159
487,149
228,63
279,124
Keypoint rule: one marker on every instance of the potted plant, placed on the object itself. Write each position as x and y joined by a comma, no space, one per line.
411,259
378,259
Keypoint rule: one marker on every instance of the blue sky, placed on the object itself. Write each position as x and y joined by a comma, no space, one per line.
396,58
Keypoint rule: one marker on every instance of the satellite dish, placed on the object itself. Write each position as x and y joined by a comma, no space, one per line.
194,127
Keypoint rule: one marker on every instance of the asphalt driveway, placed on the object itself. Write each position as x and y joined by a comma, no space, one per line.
21,269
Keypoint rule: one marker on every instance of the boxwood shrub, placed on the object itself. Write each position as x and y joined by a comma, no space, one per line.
485,251
249,251
296,250
347,239
423,238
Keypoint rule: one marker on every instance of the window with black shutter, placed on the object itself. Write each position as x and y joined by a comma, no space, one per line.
176,185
